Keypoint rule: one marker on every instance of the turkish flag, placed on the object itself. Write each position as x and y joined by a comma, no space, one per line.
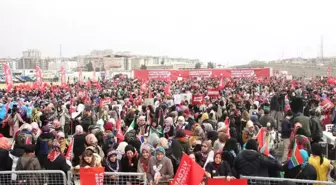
90,176
188,172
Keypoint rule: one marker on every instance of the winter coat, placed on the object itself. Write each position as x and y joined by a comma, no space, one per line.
30,163
78,148
307,173
224,169
166,170
305,121
43,147
58,164
253,163
286,128
316,128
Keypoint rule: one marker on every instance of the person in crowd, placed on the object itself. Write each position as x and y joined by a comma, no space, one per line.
168,129
35,116
205,155
192,156
64,144
320,163
56,161
249,132
14,121
129,163
160,168
90,158
182,140
267,118
28,161
222,138
315,127
44,145
301,140
79,144
154,128
230,151
143,163
218,167
91,140
297,105
250,162
303,171
111,164
36,131
285,133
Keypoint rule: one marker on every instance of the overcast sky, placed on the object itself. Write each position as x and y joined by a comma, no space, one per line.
221,31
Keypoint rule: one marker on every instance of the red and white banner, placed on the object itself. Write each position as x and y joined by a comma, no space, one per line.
80,76
82,93
8,76
188,172
63,80
38,76
203,73
105,101
91,176
197,99
213,92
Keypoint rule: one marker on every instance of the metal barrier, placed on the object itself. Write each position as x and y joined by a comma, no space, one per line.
113,178
33,177
252,180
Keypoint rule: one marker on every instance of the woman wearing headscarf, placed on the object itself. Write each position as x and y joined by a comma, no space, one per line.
63,142
109,137
79,144
205,155
160,168
320,163
129,162
218,167
303,171
44,145
143,163
230,151
56,161
154,128
13,120
35,116
36,131
111,164
168,129
91,140
249,132
302,141
220,142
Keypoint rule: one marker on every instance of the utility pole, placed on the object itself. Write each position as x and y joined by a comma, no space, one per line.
321,50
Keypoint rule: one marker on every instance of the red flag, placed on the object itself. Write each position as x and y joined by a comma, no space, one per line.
38,76
9,78
197,99
188,172
68,155
227,125
90,176
63,80
226,182
120,135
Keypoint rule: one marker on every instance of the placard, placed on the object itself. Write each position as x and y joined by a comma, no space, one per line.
177,99
149,101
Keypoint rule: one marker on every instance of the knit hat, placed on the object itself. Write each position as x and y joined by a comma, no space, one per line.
129,148
252,144
160,149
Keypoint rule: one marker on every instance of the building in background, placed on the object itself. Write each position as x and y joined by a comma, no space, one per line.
30,59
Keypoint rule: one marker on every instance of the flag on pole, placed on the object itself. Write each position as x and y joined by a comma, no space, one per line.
296,158
8,76
132,126
38,76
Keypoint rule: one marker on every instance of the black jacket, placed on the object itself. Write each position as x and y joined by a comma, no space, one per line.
286,129
58,164
307,173
253,163
79,147
223,170
316,128
5,160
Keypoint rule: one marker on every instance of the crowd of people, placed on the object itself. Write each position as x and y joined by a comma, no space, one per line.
110,124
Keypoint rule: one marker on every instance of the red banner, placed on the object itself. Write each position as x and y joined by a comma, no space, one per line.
203,73
197,99
105,101
63,80
213,92
82,93
327,104
8,76
188,172
226,182
91,176
38,76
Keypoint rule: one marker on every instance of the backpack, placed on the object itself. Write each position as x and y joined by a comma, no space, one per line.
11,121
45,144
23,179
24,137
